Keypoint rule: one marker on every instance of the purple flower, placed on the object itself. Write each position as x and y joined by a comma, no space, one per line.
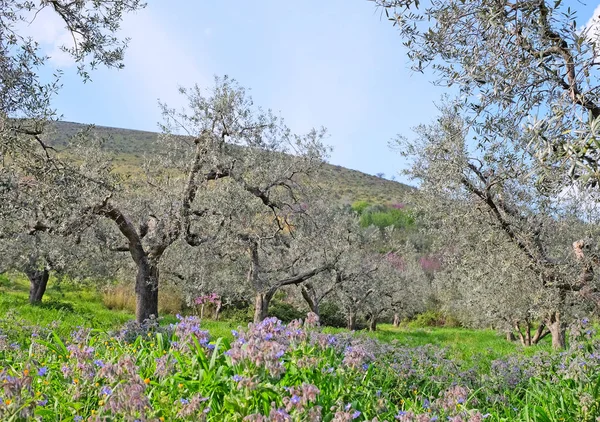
42,371
356,414
237,378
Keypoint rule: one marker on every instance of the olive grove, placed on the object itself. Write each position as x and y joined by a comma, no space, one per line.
531,231
519,134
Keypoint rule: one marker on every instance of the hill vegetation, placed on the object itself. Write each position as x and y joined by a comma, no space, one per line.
339,184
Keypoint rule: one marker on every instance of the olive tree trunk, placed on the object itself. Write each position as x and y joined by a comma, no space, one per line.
218,308
146,291
38,282
310,296
261,305
373,322
351,320
557,331
396,320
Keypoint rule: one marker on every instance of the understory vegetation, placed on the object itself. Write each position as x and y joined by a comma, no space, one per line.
189,370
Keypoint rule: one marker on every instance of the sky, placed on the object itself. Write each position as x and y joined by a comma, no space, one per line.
333,63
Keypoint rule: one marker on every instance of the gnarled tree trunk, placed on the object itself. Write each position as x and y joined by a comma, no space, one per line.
351,320
261,305
310,296
396,320
373,322
38,281
146,291
557,331
218,307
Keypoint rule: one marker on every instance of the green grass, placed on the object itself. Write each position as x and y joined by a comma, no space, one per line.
74,306
462,343
68,305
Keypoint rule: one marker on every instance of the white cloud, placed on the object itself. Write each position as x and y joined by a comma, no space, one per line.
49,31
593,25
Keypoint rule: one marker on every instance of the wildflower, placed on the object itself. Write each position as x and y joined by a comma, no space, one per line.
356,414
42,371
147,381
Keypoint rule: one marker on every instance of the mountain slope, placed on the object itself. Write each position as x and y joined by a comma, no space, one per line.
341,184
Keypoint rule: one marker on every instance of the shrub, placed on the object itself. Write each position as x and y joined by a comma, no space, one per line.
360,206
434,319
284,311
331,315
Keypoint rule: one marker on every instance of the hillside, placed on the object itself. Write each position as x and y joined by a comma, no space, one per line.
342,184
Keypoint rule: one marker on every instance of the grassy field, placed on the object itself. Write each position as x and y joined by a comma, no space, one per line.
77,306
71,359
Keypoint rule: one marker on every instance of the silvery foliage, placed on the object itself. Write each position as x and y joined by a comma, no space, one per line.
373,285
39,191
497,230
25,96
255,257
407,290
524,71
223,170
45,226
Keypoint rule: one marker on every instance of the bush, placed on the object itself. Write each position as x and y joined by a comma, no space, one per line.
360,206
332,315
285,311
380,216
241,314
434,319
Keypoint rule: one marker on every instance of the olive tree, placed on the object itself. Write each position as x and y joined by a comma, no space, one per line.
216,158
496,185
26,159
25,96
517,66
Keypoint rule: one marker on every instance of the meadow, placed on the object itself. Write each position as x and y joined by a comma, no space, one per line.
72,359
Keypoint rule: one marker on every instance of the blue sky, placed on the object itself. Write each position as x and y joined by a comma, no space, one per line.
333,63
